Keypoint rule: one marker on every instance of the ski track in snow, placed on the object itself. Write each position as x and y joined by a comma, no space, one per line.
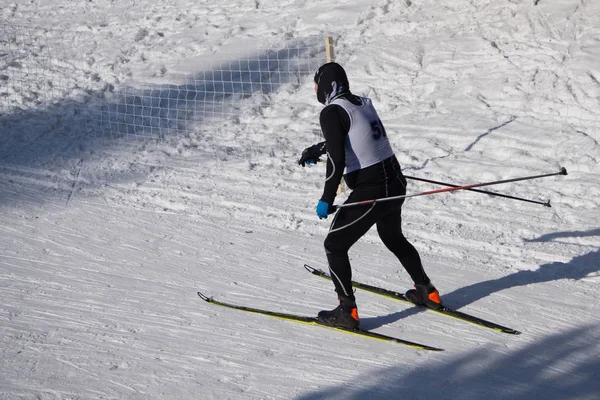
105,244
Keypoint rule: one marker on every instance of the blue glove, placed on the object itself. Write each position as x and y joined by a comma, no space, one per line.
322,209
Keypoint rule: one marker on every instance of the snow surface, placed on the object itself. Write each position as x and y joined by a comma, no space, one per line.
103,245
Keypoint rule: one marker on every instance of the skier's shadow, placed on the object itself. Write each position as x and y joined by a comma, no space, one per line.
578,268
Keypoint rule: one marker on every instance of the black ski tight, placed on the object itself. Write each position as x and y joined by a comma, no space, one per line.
351,223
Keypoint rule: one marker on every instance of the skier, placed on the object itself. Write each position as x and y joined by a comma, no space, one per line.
358,150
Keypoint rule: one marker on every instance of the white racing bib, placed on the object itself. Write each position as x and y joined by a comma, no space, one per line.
367,142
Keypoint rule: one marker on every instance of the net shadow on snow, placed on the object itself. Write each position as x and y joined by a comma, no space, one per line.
42,135
561,366
223,92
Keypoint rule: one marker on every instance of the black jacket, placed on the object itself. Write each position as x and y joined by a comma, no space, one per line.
380,180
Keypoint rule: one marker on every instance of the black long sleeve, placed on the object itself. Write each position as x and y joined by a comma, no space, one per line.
335,124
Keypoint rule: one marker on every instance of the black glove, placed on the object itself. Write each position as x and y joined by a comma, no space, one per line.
311,154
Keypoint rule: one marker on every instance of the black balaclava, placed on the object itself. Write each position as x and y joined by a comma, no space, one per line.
331,82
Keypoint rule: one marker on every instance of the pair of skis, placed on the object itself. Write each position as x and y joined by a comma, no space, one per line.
363,332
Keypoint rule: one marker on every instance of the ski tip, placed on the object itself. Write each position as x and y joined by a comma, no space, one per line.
511,331
204,297
563,171
314,270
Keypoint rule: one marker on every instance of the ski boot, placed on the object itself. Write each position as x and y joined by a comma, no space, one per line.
344,316
425,295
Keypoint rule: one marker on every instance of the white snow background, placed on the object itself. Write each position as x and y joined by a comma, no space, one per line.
103,244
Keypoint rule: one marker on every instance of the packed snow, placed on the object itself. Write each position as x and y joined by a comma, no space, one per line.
105,241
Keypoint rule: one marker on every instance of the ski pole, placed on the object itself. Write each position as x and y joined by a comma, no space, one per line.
563,171
547,203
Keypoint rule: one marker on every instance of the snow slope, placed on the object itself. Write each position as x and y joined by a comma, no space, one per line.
104,244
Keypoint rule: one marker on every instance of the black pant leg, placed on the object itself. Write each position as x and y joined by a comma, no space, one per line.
389,228
349,225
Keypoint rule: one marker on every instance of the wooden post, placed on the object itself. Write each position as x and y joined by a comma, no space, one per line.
329,52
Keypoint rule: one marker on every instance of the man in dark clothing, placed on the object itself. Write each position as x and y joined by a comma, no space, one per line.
358,150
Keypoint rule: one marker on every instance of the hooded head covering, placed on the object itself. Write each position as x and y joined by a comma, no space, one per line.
331,81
